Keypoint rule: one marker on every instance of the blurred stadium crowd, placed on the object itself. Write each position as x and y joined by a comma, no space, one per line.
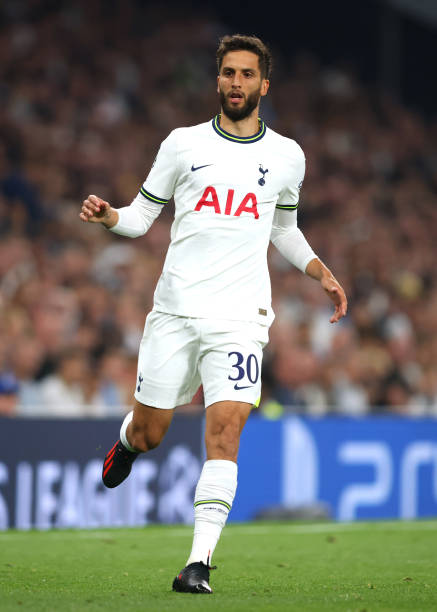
84,109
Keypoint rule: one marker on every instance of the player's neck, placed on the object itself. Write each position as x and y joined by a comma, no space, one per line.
246,127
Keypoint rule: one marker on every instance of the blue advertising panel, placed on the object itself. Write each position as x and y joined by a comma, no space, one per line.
377,468
259,468
369,468
50,475
365,468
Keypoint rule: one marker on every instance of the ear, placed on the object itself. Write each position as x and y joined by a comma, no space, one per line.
218,82
265,84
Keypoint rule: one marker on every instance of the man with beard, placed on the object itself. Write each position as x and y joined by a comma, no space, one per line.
236,186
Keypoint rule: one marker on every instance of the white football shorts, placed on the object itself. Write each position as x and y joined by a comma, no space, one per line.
177,354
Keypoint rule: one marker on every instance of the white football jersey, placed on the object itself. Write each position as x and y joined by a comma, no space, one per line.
225,189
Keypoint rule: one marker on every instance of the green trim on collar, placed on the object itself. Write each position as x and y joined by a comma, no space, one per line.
242,139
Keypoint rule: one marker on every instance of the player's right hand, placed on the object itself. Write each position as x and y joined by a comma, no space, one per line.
94,209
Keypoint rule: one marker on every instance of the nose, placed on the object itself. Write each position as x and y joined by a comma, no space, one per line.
236,81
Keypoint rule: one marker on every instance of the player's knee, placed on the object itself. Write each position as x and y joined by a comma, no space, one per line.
145,439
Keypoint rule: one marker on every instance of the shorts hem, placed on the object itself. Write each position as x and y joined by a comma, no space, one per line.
163,404
232,397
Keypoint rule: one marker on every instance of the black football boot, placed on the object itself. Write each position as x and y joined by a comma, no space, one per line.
194,578
117,465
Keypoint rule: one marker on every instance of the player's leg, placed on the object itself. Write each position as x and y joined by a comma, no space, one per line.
167,377
217,485
230,370
215,491
142,430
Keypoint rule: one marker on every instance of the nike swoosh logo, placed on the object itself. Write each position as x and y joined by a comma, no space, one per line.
237,388
193,169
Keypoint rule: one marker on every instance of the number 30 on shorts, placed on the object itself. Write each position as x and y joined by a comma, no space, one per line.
242,367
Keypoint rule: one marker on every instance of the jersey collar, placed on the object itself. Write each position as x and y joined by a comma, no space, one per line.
243,139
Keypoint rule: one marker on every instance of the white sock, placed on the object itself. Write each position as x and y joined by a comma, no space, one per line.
215,493
123,439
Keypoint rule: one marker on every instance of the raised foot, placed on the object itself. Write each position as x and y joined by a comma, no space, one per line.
117,465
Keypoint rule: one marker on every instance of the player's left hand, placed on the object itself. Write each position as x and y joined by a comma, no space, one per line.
336,293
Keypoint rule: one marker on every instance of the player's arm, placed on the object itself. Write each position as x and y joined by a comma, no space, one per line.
131,221
292,244
317,270
158,188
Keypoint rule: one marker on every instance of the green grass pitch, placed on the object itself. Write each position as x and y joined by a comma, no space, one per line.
261,566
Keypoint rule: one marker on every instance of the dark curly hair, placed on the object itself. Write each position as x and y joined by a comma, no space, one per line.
240,42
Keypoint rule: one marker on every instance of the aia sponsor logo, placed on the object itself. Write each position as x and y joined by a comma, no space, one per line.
210,199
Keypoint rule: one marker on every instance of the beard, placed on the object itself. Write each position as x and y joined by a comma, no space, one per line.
238,114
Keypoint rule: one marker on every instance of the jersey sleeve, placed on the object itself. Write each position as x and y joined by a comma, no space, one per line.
136,219
159,186
290,241
289,196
